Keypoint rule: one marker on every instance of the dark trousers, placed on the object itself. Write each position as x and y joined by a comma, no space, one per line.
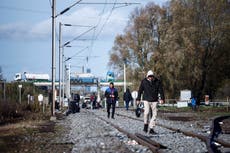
127,105
109,104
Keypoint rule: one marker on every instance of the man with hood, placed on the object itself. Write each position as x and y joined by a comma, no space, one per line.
150,87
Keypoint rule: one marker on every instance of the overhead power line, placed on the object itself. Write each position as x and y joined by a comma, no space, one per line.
68,8
115,6
79,52
100,3
76,38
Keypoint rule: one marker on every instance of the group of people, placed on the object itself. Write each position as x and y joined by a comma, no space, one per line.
93,101
150,88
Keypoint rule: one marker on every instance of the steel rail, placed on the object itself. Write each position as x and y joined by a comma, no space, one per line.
153,146
208,140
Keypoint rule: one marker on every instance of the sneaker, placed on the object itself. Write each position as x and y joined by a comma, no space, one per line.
151,131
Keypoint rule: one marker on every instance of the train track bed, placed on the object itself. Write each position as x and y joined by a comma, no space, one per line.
90,134
91,131
173,141
190,125
188,122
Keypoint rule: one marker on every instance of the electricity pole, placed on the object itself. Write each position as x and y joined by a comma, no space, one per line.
60,65
53,57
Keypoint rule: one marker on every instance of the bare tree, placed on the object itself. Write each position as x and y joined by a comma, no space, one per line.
186,43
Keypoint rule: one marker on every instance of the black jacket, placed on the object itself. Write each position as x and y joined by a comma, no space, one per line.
150,90
127,96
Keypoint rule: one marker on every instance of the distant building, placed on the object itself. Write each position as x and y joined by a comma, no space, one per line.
83,78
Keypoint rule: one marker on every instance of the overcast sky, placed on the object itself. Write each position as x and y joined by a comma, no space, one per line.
25,34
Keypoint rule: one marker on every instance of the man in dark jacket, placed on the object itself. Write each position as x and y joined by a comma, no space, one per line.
127,97
150,87
111,95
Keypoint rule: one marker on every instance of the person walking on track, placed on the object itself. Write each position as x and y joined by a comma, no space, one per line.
150,87
111,95
127,97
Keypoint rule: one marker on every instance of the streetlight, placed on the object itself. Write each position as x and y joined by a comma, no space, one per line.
61,56
65,80
53,48
61,52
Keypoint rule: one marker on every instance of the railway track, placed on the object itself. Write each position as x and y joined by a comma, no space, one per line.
156,146
212,142
141,139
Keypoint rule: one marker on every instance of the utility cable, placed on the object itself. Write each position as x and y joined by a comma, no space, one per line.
68,8
79,52
95,37
78,36
106,21
99,21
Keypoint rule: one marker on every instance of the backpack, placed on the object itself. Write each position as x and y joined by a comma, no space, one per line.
138,112
139,109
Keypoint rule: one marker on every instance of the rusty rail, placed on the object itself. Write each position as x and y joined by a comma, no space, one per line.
209,141
153,146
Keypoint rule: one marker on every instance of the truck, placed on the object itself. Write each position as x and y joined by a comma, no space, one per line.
31,77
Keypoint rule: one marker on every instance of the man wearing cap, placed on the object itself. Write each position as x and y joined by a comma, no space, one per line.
150,87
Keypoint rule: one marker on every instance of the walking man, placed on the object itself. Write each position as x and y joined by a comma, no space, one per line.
111,95
127,97
150,87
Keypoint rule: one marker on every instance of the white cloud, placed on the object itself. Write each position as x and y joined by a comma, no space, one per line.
9,31
41,30
87,16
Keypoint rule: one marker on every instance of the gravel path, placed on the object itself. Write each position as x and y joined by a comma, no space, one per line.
90,134
176,142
